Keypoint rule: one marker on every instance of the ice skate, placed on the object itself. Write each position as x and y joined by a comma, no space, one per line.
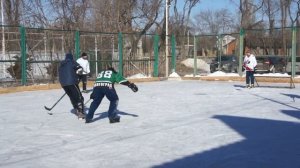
80,114
115,120
88,120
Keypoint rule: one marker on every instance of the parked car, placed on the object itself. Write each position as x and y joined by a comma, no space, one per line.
267,64
289,65
228,63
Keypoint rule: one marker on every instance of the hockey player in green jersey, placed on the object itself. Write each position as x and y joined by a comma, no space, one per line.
104,86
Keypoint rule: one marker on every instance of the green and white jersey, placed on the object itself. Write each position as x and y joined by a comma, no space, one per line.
108,78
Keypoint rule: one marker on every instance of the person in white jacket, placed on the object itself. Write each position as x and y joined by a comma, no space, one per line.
84,72
249,65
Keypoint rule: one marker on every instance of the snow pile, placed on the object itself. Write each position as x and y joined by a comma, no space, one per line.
192,75
274,74
202,65
174,75
137,76
220,73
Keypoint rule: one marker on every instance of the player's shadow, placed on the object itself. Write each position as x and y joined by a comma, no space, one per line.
276,101
293,113
73,111
260,86
281,87
239,87
293,96
99,116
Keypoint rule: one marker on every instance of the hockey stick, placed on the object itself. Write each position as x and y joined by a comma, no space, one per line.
87,101
49,109
256,81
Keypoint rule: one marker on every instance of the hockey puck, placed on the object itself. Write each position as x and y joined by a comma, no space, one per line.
50,113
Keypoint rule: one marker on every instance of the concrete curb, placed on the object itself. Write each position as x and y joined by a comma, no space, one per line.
203,78
57,86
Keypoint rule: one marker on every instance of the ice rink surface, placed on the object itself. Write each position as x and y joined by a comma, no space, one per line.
168,124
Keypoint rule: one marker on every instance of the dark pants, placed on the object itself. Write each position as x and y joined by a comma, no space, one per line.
75,96
249,77
83,78
99,93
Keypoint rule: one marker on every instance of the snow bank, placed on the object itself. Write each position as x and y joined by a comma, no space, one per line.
273,74
174,75
137,76
192,75
201,64
220,73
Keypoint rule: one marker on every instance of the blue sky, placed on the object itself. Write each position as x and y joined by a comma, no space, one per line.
212,5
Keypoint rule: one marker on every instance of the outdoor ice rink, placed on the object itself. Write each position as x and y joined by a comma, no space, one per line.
167,124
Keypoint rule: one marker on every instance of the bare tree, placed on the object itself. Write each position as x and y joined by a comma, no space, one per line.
34,14
183,19
181,22
294,12
12,12
270,8
130,16
145,16
284,5
214,22
69,14
113,15
248,9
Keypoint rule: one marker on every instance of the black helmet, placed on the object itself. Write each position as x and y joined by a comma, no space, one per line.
112,69
84,54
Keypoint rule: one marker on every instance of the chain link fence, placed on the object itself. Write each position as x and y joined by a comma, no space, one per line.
202,54
31,56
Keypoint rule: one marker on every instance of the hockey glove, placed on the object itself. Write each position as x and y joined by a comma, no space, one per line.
248,69
133,87
79,71
92,96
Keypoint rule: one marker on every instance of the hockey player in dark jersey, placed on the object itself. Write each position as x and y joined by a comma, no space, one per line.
69,82
104,86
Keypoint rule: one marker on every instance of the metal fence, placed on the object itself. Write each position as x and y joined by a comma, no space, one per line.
31,56
196,55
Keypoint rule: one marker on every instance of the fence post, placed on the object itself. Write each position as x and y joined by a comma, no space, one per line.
219,37
242,36
23,56
96,54
173,50
155,46
195,57
294,45
77,44
120,45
